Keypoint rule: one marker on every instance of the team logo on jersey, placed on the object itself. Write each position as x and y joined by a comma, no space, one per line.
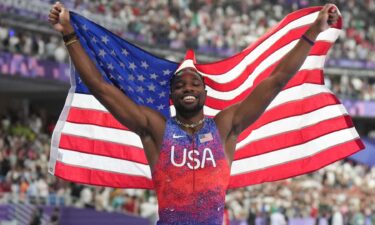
192,158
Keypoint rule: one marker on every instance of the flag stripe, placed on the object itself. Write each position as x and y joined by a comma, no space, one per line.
299,166
239,166
225,65
257,51
94,117
294,137
304,90
289,95
102,133
292,108
311,62
305,104
294,152
280,107
104,163
293,123
277,32
99,177
329,35
230,97
304,76
255,68
268,130
103,148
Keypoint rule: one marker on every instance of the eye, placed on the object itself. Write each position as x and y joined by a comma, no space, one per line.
178,85
197,83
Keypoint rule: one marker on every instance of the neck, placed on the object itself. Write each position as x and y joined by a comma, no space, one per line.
190,124
190,118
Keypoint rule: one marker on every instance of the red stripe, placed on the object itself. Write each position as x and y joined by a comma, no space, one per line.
101,178
297,167
292,138
320,48
105,119
290,109
94,117
303,76
225,65
103,148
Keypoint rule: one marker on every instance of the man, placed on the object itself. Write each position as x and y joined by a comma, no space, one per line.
190,155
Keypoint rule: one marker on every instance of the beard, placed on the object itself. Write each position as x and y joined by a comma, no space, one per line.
183,110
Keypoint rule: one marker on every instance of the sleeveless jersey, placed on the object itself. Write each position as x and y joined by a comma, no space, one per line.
191,176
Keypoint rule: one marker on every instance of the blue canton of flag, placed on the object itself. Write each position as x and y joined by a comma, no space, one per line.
140,75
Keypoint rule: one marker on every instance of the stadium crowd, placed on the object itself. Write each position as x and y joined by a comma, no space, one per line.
351,87
193,25
220,28
342,193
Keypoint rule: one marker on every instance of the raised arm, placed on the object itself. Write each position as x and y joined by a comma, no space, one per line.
233,120
142,120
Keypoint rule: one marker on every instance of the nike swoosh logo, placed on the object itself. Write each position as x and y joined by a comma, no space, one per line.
177,136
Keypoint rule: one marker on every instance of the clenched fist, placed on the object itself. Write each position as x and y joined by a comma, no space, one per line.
60,19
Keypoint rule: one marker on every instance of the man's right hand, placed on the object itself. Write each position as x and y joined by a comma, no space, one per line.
60,19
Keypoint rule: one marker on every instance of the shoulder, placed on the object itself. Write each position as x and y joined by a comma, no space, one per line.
224,119
156,121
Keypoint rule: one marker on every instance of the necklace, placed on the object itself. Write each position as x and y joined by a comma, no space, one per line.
192,125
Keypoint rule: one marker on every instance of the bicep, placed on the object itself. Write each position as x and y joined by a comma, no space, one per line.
124,109
252,107
224,121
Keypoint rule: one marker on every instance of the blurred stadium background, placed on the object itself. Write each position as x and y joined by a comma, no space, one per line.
34,80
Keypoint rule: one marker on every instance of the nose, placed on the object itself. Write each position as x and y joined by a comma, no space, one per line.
188,88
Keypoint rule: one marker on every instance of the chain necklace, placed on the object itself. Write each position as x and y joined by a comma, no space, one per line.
192,125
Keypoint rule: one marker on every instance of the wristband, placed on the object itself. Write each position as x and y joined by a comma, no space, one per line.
71,42
69,36
308,40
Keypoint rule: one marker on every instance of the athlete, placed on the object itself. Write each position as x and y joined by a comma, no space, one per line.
190,155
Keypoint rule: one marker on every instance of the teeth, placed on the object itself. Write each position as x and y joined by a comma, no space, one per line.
189,97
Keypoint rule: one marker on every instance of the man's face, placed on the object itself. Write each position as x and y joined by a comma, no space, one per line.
188,92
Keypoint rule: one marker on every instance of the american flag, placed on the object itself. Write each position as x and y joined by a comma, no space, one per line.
304,128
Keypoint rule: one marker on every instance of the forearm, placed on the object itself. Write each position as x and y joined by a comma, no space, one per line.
293,61
266,91
83,64
121,106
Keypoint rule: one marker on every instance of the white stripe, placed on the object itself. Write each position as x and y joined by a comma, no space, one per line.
240,67
103,133
291,94
293,123
311,62
87,101
104,163
293,153
329,35
268,130
298,93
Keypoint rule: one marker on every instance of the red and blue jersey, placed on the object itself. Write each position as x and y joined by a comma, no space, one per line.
191,176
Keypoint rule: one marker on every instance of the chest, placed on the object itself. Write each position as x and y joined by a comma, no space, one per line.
202,150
